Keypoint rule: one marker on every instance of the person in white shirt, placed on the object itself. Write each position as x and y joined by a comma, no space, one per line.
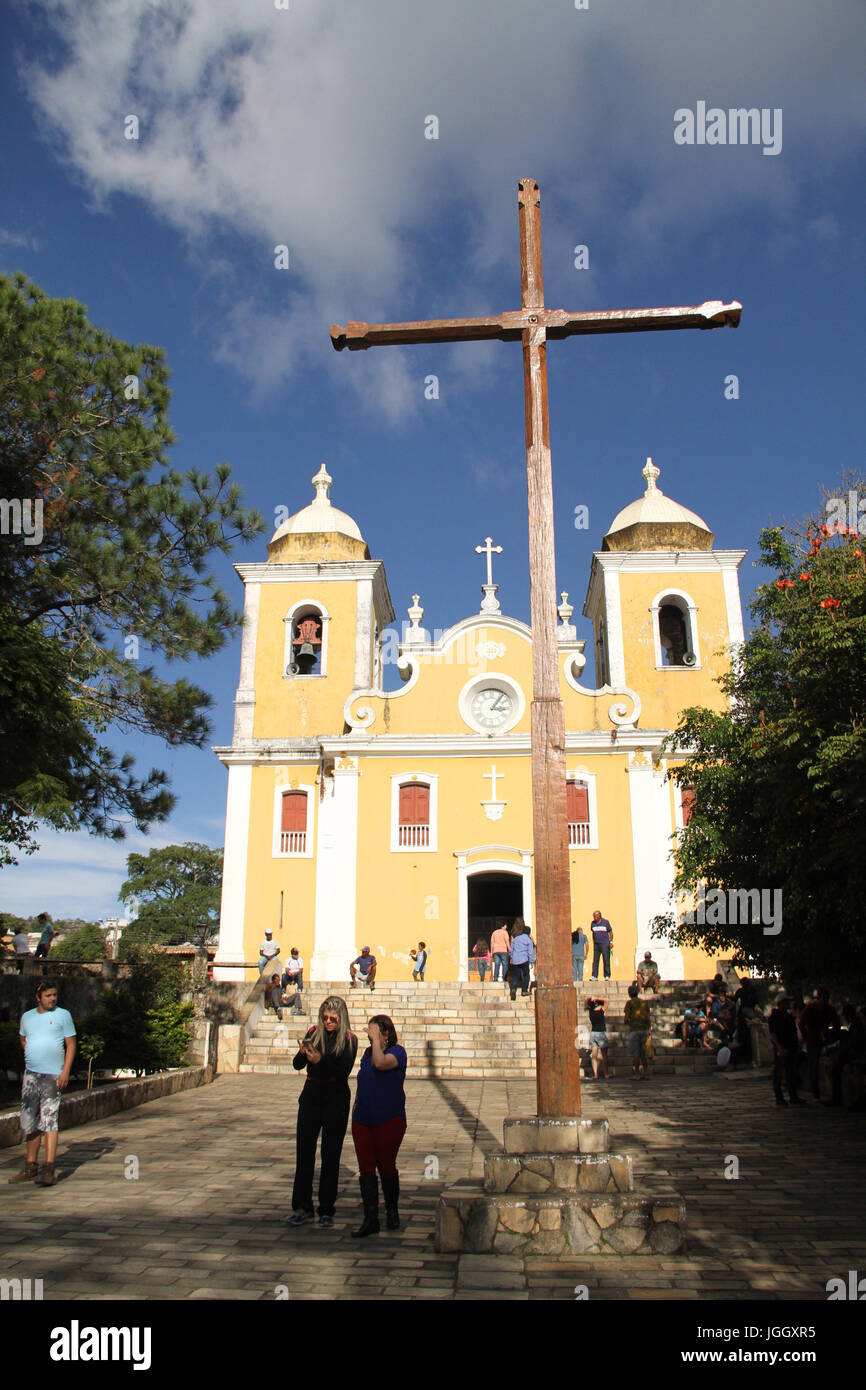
294,974
268,950
21,944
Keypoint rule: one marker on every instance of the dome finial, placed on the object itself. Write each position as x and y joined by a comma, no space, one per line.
322,483
650,473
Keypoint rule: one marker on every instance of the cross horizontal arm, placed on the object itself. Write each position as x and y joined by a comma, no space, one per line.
558,323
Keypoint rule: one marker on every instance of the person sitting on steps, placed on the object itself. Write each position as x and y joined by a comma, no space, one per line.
365,966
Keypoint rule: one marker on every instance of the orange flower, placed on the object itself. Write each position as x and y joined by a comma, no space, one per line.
829,603
858,554
804,576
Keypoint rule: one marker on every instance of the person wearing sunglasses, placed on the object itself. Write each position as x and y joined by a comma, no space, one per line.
327,1052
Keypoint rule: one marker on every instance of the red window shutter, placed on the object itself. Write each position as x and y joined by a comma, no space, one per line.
687,796
294,811
578,802
415,804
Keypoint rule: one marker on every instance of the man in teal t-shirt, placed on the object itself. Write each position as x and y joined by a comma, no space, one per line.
48,1038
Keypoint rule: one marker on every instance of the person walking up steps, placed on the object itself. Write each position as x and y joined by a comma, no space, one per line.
598,1035
637,1022
500,945
522,954
379,1123
481,952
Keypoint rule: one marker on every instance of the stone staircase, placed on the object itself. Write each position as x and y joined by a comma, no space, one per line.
474,1030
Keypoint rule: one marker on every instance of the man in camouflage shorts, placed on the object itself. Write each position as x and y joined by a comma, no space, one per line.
48,1038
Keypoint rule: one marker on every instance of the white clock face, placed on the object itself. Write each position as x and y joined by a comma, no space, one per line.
491,708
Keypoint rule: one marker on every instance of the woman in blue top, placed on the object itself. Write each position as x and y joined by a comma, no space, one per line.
379,1123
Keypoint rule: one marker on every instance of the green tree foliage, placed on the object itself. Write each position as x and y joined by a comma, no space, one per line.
118,572
780,780
11,1052
86,943
176,888
142,1027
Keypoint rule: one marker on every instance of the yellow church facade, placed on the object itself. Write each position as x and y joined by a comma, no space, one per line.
360,814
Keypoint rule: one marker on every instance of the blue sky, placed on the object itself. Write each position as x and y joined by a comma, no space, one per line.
306,127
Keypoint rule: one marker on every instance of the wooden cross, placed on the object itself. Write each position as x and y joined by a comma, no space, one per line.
557,1067
491,550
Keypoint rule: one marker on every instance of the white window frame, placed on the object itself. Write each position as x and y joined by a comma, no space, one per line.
277,852
582,774
432,781
304,606
679,822
689,609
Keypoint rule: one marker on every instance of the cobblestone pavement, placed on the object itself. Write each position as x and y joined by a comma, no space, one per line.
205,1218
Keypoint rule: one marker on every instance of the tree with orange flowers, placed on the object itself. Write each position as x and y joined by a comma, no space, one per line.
780,779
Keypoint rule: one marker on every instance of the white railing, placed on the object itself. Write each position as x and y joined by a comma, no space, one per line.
578,833
414,836
293,842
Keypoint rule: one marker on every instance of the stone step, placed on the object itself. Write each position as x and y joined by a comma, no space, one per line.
535,1174
472,1030
611,1223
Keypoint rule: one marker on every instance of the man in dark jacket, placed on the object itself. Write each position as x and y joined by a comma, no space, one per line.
785,1044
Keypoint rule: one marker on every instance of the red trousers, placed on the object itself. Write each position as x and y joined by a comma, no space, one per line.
377,1145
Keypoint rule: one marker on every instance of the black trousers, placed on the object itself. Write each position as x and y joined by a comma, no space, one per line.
519,976
813,1056
785,1069
324,1109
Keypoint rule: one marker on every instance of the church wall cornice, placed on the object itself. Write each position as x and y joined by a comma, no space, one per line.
594,741
323,572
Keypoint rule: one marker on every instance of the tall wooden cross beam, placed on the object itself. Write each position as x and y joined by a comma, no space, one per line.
557,1068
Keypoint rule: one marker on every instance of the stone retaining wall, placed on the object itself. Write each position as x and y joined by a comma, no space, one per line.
84,1106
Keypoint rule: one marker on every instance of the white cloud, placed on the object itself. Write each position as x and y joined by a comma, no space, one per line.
306,127
17,240
80,875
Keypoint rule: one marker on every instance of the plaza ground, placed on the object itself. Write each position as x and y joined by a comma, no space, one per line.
206,1216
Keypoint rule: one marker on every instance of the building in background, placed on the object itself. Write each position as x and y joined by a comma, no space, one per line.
362,815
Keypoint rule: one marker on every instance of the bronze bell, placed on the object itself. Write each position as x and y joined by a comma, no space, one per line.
305,658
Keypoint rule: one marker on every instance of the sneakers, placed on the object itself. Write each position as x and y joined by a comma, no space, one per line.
300,1218
26,1174
326,1220
47,1176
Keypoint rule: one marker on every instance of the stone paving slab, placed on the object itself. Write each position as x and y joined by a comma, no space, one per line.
205,1219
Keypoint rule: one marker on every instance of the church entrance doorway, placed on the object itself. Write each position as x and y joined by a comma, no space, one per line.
494,897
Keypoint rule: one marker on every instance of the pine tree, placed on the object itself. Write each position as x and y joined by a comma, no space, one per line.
103,553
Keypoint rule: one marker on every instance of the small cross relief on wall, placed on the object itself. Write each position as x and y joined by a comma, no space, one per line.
493,808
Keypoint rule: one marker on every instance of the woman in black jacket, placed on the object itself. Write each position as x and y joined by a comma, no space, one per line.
328,1052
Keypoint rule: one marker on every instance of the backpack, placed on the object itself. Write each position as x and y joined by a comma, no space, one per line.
639,1014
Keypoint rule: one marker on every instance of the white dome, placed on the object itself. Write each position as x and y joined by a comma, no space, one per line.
654,508
319,516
